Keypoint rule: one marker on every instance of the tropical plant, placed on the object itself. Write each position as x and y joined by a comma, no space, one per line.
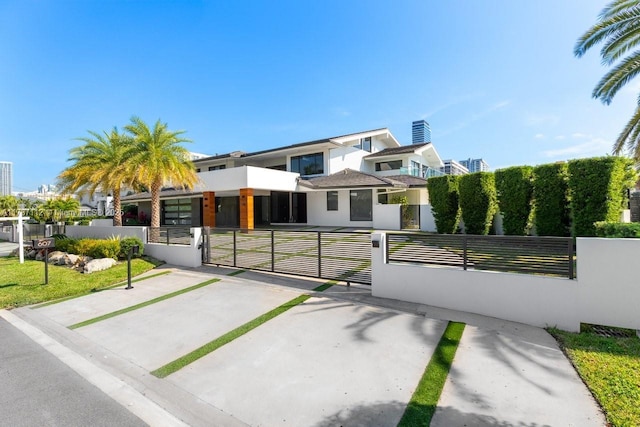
159,160
478,201
515,191
8,205
102,163
445,202
618,27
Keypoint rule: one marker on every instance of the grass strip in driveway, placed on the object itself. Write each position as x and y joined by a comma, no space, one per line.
176,365
235,273
142,304
94,290
425,398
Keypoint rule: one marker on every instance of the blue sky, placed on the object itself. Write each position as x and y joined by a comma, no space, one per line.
496,79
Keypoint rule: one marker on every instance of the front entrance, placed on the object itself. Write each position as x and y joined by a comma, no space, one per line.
288,207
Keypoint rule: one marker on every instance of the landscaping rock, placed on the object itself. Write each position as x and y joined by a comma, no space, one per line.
57,257
31,254
99,265
71,259
39,256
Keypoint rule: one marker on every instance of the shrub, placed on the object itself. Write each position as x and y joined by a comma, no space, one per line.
63,243
617,229
551,200
126,243
444,198
515,191
598,188
95,248
478,201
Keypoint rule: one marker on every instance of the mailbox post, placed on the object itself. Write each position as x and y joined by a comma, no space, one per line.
133,250
45,244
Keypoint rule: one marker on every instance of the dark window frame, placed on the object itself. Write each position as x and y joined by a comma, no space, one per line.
332,202
361,212
315,164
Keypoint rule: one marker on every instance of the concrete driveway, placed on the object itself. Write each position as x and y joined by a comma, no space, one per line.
340,358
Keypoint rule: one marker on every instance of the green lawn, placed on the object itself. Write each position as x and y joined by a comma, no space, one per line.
23,284
611,369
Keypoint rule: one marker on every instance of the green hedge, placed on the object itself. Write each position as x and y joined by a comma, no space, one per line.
126,243
444,199
478,201
598,187
617,229
551,200
514,187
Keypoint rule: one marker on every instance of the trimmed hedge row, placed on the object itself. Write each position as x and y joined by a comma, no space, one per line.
564,198
515,190
98,248
445,202
617,229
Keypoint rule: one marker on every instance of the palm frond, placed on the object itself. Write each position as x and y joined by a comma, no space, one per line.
604,29
629,134
616,78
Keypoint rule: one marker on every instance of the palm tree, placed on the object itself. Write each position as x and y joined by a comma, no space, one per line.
8,205
618,27
102,163
159,160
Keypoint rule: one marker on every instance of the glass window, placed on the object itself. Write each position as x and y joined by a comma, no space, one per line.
332,200
361,205
176,212
388,165
415,168
218,167
308,164
364,144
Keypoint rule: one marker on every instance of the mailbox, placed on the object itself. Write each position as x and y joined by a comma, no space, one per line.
46,243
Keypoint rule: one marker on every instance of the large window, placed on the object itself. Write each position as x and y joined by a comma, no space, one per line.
176,212
415,168
361,205
308,164
217,168
332,200
389,165
365,144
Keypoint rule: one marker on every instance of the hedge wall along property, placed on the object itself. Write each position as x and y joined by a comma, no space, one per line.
597,187
478,201
515,191
444,199
551,200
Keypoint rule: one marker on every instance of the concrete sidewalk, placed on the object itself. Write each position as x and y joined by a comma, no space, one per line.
342,357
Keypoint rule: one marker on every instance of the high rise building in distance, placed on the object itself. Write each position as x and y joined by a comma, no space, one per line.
475,165
420,132
6,177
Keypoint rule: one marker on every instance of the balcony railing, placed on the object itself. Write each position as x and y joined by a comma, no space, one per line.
424,172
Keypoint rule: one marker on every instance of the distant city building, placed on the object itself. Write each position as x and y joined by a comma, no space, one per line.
420,132
475,165
6,178
451,167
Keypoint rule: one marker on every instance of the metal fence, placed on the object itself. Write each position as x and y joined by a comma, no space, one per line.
40,231
324,254
169,235
553,256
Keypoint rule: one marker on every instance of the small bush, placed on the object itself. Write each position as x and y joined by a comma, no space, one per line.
95,248
64,243
617,229
444,199
478,202
126,243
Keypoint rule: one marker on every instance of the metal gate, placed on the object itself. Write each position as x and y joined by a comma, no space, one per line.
333,255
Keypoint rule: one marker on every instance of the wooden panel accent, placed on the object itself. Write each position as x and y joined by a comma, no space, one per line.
209,209
246,208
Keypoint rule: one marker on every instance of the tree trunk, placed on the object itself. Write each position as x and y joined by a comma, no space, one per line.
154,235
117,209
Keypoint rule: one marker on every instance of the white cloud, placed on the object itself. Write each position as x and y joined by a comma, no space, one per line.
594,146
452,102
475,117
559,137
539,136
579,135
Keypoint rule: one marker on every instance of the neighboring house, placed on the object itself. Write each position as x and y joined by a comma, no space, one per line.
338,181
451,167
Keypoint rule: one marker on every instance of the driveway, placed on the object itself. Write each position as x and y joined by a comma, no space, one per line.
341,357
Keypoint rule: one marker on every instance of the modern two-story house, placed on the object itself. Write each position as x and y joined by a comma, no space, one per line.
346,180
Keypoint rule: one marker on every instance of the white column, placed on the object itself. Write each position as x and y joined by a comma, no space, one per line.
20,243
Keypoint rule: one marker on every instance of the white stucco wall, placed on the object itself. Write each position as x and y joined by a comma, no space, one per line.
104,232
609,284
427,221
317,213
248,177
346,158
386,217
606,291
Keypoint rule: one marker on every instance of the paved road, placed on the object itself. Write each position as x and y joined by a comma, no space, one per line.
7,247
37,389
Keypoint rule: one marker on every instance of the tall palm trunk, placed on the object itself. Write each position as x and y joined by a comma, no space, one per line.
117,209
155,210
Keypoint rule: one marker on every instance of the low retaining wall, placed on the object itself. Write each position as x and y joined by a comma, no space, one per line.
604,293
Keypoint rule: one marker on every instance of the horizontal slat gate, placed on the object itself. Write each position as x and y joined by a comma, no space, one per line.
553,256
328,255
